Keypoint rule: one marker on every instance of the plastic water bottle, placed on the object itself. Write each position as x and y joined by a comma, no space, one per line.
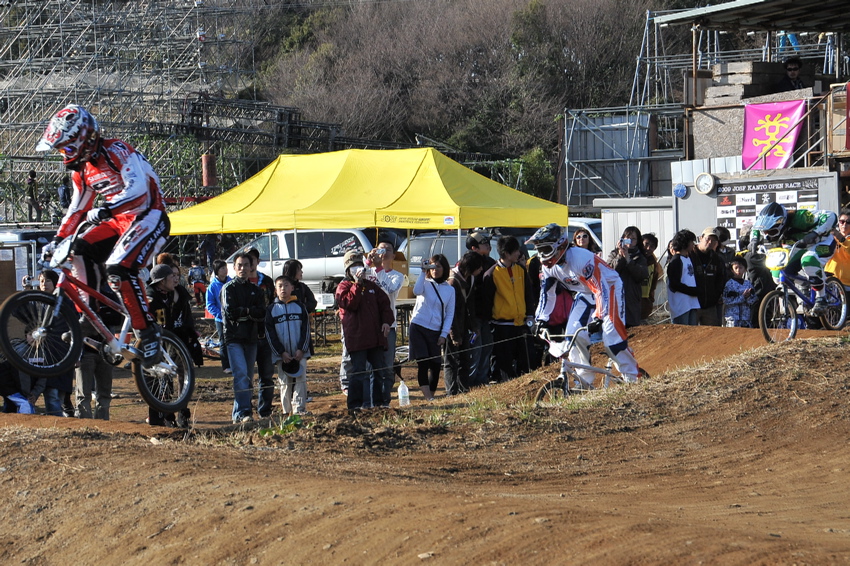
403,394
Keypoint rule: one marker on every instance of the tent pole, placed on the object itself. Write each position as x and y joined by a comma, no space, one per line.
459,255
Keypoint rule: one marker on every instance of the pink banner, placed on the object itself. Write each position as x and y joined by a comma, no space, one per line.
770,133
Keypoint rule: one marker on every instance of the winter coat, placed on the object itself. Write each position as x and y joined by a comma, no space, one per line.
363,307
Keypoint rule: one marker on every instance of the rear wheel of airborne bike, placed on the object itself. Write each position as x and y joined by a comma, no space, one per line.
836,310
167,386
36,337
777,318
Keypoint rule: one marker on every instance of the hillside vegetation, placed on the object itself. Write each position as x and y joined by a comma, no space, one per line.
480,75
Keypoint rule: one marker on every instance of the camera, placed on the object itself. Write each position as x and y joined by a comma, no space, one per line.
380,251
426,265
626,241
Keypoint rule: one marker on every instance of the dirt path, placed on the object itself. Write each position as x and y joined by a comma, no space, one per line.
742,460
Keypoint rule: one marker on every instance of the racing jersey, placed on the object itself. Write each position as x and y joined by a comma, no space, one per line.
581,271
122,176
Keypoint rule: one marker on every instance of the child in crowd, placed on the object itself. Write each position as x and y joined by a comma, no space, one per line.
57,389
15,390
198,281
738,296
288,332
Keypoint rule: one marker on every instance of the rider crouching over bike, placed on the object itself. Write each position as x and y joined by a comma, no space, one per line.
774,227
130,226
583,272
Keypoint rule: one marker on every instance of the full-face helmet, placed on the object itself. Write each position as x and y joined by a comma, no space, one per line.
550,241
74,132
771,221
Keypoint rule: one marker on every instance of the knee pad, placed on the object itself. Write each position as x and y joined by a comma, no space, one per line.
115,274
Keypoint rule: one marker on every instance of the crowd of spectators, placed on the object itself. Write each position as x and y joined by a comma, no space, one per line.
471,320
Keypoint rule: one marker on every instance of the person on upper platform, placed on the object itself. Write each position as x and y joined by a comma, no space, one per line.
130,225
774,226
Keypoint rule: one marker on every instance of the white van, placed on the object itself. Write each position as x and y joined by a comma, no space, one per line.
319,251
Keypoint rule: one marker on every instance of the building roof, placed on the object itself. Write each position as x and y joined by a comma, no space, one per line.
767,15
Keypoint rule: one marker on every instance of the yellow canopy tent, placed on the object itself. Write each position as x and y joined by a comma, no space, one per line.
407,188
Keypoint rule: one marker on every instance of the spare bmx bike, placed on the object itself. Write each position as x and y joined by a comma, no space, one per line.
41,335
783,310
559,388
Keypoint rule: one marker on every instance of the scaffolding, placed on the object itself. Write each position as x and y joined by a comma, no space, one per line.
138,65
611,152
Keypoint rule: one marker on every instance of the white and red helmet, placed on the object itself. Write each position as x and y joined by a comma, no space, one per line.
73,131
550,241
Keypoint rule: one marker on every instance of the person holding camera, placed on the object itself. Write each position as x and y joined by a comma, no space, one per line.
629,261
390,281
431,321
366,318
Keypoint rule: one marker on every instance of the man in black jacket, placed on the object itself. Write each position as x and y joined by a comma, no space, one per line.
243,307
710,273
479,242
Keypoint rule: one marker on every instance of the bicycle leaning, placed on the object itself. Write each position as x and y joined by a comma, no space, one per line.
559,388
783,311
41,335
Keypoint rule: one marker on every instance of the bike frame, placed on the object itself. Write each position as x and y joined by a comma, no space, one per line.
71,287
788,282
609,375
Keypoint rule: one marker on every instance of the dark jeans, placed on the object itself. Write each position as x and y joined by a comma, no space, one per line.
219,328
265,375
457,367
509,346
383,378
480,368
359,383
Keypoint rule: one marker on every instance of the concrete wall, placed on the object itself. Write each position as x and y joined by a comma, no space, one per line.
719,131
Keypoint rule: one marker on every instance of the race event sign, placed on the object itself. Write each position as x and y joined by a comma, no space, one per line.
739,203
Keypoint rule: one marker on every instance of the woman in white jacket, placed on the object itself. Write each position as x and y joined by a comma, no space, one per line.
431,321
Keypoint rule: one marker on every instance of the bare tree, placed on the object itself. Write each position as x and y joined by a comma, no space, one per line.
488,75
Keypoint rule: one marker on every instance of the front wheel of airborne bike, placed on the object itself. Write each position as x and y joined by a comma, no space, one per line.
167,386
777,318
552,393
836,310
36,337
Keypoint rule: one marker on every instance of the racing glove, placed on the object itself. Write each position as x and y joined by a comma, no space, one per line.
97,215
538,328
594,326
47,250
811,238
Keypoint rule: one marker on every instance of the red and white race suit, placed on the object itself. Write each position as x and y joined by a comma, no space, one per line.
134,232
585,273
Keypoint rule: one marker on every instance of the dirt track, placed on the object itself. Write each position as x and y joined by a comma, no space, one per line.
741,460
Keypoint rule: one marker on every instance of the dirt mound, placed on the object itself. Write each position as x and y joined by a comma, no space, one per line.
726,455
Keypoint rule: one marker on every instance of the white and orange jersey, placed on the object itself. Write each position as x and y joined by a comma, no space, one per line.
122,176
581,271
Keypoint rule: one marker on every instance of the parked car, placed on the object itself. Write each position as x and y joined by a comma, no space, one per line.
425,245
319,251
